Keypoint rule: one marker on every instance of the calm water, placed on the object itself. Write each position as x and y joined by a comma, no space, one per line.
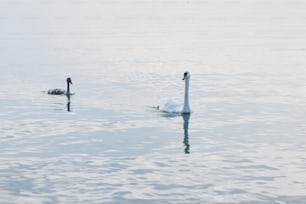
244,142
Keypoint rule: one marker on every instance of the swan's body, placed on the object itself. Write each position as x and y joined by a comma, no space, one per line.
56,92
176,106
61,91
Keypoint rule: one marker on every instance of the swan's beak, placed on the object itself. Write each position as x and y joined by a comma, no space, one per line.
185,76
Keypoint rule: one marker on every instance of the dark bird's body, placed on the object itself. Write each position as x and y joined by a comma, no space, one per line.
56,92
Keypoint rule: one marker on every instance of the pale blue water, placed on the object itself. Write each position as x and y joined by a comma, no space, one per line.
244,142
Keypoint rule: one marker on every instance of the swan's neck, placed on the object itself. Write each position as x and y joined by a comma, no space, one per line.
68,89
186,107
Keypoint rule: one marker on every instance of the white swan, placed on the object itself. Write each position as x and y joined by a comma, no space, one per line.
175,106
60,91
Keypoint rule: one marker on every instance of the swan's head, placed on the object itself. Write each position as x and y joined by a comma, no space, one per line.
69,80
186,75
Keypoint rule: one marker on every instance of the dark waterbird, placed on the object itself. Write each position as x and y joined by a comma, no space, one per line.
61,91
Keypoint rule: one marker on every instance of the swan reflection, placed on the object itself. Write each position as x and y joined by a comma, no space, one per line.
68,103
186,118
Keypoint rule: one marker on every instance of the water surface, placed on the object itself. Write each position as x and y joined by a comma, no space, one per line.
244,142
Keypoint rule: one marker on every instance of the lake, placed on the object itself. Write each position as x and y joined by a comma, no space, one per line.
244,141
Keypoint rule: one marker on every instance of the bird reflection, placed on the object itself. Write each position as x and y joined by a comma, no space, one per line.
186,118
68,103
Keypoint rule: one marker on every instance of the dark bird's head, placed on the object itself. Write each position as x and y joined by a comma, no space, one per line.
186,75
69,80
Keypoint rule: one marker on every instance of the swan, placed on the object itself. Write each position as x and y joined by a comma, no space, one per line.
61,91
175,106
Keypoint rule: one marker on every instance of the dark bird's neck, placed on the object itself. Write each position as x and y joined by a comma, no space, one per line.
68,89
